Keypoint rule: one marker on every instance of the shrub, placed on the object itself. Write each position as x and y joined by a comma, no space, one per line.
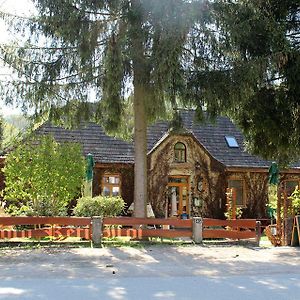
295,197
99,206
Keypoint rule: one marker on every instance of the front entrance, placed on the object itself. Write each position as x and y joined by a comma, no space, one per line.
178,197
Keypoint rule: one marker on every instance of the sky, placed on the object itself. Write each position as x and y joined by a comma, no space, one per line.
18,7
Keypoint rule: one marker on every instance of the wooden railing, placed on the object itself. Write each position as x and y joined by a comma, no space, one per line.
136,228
231,229
168,228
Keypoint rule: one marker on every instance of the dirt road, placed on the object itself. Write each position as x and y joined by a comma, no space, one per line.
154,272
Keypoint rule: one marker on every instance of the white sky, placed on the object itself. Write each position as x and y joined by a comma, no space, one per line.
18,7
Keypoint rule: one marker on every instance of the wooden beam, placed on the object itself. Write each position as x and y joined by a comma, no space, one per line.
99,165
260,170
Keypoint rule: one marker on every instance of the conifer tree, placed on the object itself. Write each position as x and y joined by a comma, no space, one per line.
261,89
108,48
235,57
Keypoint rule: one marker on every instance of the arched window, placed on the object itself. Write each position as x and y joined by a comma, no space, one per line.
180,152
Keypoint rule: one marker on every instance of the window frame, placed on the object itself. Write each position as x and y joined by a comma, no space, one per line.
110,185
229,139
180,152
244,199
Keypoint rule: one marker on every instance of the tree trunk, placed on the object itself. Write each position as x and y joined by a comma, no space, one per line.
140,118
140,155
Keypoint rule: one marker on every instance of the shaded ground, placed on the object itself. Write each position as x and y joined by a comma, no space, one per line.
153,272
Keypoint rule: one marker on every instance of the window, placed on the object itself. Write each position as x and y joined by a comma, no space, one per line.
111,185
238,185
180,152
231,141
290,186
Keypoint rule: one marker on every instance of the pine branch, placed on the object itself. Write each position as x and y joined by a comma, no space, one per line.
4,14
33,47
104,14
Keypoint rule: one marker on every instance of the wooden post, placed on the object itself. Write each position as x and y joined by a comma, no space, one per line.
233,204
279,220
295,241
285,219
96,231
197,230
258,232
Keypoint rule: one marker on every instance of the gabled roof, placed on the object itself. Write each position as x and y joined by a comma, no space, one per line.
211,136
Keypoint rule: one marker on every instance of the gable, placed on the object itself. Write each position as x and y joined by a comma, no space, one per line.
164,152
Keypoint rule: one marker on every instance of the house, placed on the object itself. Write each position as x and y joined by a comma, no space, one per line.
189,169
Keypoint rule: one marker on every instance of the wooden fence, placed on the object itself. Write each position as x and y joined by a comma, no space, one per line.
95,228
231,229
45,226
147,227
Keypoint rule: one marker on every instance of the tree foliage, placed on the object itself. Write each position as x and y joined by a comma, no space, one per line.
88,47
261,87
107,49
15,128
43,176
234,57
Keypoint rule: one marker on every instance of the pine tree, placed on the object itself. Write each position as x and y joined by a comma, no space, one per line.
261,86
236,57
81,48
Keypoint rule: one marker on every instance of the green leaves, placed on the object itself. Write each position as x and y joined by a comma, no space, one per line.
99,206
262,83
226,56
44,175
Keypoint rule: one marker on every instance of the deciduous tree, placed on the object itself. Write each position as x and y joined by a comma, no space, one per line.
43,176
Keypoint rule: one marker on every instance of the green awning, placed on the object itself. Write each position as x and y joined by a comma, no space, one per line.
89,167
274,173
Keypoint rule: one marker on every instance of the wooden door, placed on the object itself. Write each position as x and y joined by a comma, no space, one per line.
178,196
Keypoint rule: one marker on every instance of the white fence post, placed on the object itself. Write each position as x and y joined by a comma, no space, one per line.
96,230
197,230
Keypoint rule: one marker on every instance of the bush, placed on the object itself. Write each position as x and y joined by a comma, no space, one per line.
295,197
99,206
42,176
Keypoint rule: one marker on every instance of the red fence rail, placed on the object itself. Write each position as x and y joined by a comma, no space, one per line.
231,229
51,226
170,228
127,227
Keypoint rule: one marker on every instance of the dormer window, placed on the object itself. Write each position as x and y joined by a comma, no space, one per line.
179,152
231,141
